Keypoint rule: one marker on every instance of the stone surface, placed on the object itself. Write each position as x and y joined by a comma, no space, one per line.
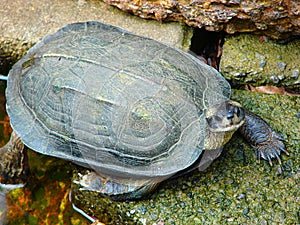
247,60
277,19
236,188
23,23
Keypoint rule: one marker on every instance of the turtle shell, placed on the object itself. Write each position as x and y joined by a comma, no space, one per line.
121,104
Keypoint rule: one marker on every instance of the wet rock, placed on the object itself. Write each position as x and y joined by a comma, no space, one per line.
295,73
233,189
241,196
276,19
281,66
261,63
274,79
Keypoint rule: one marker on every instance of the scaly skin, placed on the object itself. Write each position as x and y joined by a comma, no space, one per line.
224,119
13,167
262,138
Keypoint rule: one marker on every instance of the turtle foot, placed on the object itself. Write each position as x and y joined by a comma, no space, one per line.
115,189
272,148
267,143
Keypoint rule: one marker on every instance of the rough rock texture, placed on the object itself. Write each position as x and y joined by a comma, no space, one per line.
248,60
23,23
277,19
235,189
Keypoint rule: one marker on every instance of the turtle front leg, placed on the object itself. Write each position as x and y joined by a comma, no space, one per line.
260,135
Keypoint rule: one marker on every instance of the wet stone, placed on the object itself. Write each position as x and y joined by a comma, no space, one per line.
142,209
274,79
295,73
282,66
241,196
262,63
266,61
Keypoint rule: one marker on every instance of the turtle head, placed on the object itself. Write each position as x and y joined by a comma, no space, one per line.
225,117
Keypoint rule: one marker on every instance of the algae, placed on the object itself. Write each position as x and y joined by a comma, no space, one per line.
246,60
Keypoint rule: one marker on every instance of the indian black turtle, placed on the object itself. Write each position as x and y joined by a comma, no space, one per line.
133,110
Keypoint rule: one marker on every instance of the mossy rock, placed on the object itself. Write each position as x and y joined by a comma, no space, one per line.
247,60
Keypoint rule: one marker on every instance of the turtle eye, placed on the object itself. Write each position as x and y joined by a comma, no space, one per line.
237,111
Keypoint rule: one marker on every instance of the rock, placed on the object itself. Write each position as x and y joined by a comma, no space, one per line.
235,188
246,60
276,19
32,20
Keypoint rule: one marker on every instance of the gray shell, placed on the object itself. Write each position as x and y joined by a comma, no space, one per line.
121,104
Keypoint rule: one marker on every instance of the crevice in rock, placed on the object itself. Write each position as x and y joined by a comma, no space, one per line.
207,46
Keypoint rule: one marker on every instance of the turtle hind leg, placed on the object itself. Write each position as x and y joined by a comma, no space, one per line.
13,162
116,189
262,138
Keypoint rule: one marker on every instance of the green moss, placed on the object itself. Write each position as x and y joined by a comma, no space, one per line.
247,60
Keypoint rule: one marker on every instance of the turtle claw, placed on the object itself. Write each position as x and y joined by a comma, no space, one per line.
279,160
271,149
270,162
267,143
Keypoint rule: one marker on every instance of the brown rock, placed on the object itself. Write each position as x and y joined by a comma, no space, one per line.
274,18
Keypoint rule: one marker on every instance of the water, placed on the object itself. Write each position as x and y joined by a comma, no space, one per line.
4,189
45,198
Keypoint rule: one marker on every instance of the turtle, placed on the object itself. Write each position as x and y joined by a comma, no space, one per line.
132,110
